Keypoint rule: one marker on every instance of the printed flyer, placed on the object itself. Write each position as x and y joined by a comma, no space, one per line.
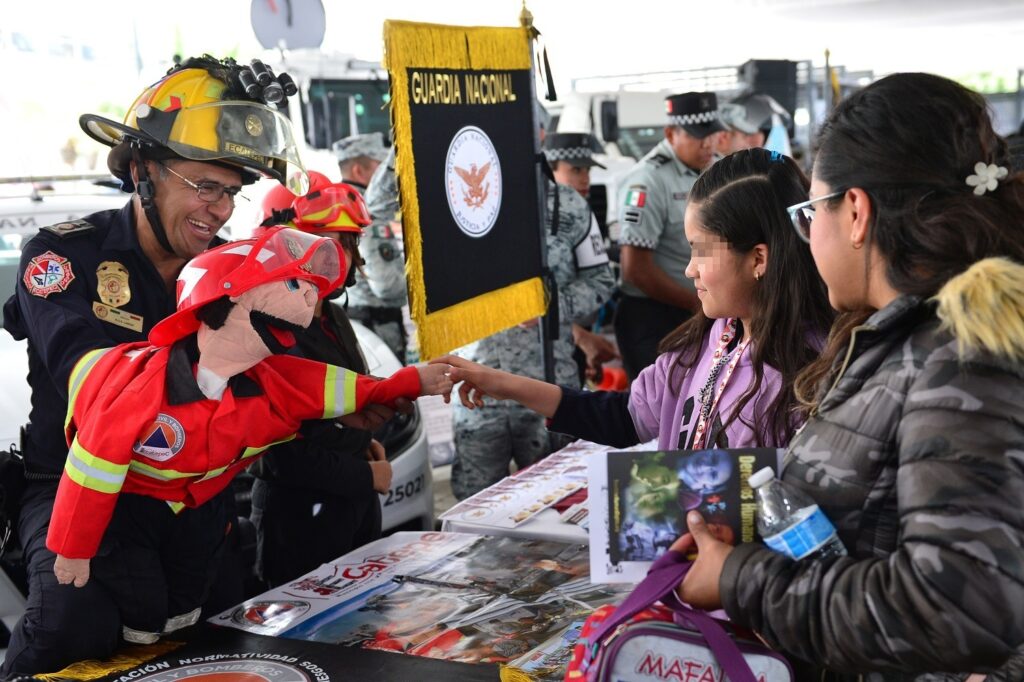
646,496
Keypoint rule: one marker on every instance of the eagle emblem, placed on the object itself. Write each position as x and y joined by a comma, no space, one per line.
476,190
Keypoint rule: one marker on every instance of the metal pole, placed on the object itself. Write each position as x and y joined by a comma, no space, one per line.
547,346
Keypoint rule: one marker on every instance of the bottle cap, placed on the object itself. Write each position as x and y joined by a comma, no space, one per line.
760,477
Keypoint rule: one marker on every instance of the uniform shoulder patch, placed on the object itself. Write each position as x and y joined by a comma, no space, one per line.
658,160
70,228
48,273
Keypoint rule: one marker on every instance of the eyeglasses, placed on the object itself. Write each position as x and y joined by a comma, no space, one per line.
210,192
802,214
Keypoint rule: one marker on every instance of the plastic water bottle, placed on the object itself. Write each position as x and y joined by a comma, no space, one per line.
790,522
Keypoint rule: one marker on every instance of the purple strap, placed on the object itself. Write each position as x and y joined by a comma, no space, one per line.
660,585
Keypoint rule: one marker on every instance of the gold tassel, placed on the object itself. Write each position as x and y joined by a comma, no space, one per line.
509,674
409,44
128,658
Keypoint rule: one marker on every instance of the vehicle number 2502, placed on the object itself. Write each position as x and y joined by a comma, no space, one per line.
405,491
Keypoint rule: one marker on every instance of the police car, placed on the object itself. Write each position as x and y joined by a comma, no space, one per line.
28,204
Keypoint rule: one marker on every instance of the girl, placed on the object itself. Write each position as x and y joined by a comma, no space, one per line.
914,447
725,377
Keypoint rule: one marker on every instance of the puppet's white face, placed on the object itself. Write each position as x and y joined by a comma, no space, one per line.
260,324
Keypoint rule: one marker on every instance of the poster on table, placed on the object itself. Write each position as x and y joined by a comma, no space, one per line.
450,596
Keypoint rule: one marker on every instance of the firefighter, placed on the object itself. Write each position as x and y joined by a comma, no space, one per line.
186,147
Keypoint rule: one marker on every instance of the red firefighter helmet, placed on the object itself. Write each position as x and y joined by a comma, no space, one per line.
327,207
236,267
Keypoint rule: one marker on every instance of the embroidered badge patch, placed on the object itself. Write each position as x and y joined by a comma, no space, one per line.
636,198
162,440
47,274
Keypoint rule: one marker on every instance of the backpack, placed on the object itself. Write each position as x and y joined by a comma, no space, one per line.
639,641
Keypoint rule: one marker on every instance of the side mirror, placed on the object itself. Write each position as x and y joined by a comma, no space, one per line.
609,120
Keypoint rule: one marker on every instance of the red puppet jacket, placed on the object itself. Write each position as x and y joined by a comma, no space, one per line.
137,423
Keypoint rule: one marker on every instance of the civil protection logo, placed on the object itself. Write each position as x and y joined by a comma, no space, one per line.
472,180
162,440
234,669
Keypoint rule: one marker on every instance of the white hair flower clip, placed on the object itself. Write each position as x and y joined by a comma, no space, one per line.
986,177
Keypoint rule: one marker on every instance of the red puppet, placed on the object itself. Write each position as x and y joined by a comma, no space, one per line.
157,431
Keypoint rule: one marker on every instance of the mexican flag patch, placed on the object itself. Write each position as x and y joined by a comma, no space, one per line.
636,198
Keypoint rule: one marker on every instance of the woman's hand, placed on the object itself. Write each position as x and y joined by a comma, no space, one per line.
71,571
699,588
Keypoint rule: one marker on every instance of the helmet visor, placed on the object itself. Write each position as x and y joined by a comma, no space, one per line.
289,254
248,134
332,207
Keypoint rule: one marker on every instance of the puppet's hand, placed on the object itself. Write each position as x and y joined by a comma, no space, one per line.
71,571
435,379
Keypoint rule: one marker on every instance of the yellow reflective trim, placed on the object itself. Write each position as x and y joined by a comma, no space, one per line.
350,392
92,472
176,507
77,377
252,452
330,394
161,474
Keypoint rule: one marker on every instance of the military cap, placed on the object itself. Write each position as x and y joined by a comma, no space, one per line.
364,144
576,149
694,112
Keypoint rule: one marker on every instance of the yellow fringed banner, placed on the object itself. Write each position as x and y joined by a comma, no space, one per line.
128,657
462,112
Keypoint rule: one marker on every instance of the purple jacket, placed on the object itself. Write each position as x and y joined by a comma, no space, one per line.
660,411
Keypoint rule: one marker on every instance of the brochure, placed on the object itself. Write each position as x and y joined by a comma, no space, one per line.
642,499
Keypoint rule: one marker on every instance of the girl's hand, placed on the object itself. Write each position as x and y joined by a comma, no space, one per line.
699,588
478,381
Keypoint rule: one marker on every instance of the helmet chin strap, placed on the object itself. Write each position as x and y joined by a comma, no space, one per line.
147,195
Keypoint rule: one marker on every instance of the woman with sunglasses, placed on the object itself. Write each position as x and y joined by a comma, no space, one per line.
724,377
915,443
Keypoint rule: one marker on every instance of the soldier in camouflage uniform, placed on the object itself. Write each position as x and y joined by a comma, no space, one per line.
915,446
380,291
358,157
488,438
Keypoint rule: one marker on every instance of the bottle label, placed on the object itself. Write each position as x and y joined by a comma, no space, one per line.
809,534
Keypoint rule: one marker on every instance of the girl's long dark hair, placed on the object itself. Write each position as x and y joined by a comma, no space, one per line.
743,198
910,141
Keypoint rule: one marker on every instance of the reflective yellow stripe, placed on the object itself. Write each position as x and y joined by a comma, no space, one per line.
92,472
161,474
176,507
339,383
78,374
329,392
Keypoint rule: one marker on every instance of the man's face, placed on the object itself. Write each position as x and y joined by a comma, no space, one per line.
695,152
577,177
731,141
191,222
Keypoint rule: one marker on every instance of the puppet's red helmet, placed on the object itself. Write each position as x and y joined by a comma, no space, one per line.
236,267
327,207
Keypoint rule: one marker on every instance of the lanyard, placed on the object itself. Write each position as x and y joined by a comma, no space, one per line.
707,411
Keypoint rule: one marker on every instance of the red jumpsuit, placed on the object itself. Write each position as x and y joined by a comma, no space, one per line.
138,424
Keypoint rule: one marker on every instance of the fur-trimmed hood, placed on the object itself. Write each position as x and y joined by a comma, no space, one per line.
983,308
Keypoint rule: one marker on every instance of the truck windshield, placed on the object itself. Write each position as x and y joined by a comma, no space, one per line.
338,108
636,142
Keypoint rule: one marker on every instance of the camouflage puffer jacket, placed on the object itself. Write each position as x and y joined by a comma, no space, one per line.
916,453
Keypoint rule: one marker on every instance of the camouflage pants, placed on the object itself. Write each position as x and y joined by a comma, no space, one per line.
488,439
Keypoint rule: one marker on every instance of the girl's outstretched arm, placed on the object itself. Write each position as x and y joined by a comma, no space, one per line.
479,381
